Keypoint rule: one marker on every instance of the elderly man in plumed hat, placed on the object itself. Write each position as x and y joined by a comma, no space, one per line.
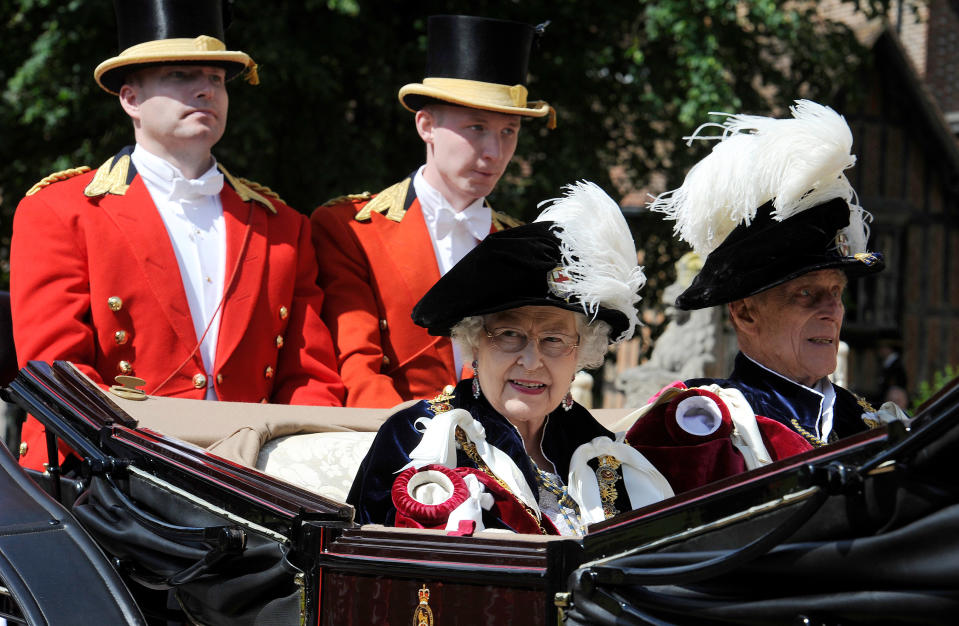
160,264
771,211
379,254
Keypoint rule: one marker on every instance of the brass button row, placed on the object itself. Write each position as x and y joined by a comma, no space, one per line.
121,337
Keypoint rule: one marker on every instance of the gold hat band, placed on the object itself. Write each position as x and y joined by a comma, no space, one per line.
509,99
492,93
202,48
203,43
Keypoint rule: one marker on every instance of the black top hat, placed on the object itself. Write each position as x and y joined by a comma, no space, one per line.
766,253
157,32
537,265
476,62
770,203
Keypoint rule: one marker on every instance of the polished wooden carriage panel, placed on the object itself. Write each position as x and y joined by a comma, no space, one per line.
354,599
375,574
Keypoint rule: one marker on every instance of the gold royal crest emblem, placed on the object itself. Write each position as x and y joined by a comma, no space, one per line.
423,614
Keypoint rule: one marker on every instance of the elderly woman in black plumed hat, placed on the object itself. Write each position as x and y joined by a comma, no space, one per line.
510,448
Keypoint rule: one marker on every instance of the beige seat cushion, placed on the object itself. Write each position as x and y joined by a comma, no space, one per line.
324,463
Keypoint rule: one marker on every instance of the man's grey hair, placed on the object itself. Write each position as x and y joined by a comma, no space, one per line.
593,338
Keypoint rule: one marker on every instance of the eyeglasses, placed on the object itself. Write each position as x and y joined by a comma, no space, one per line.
550,344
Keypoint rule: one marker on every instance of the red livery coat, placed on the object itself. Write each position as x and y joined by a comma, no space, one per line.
71,253
376,261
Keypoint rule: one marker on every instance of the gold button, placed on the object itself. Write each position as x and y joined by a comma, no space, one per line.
262,400
386,361
383,325
279,341
268,372
23,448
115,303
199,381
121,337
219,379
284,312
124,367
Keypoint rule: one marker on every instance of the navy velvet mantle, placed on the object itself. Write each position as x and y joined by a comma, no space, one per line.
370,494
781,399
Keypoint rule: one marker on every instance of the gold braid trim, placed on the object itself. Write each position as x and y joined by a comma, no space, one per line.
811,438
249,190
389,201
502,221
57,177
111,177
470,449
263,189
350,197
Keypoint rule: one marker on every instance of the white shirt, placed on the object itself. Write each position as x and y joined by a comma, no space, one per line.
828,392
453,233
193,216
823,388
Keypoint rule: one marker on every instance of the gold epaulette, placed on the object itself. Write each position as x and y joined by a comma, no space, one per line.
390,201
111,177
350,197
502,221
57,177
249,190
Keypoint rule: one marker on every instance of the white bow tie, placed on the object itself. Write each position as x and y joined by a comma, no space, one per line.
190,189
473,222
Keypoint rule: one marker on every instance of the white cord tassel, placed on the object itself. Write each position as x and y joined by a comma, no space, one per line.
597,251
796,163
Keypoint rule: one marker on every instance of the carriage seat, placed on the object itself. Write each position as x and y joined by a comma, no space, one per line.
318,449
324,463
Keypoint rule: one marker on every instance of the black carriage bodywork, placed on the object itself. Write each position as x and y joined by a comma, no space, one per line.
742,550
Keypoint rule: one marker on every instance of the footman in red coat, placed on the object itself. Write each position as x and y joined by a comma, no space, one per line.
161,264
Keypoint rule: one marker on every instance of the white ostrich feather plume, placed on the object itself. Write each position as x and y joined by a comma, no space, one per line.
597,250
797,163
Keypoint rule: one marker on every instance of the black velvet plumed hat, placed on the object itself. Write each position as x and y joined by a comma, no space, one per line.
159,32
477,62
578,255
769,204
767,253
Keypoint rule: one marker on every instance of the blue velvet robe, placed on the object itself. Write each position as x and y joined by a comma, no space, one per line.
781,399
370,494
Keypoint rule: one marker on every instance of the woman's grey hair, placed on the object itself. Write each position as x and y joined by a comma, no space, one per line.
593,338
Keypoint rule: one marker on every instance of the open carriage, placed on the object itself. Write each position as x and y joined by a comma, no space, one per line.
862,531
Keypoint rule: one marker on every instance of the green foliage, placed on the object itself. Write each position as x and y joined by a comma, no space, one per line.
928,389
627,81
